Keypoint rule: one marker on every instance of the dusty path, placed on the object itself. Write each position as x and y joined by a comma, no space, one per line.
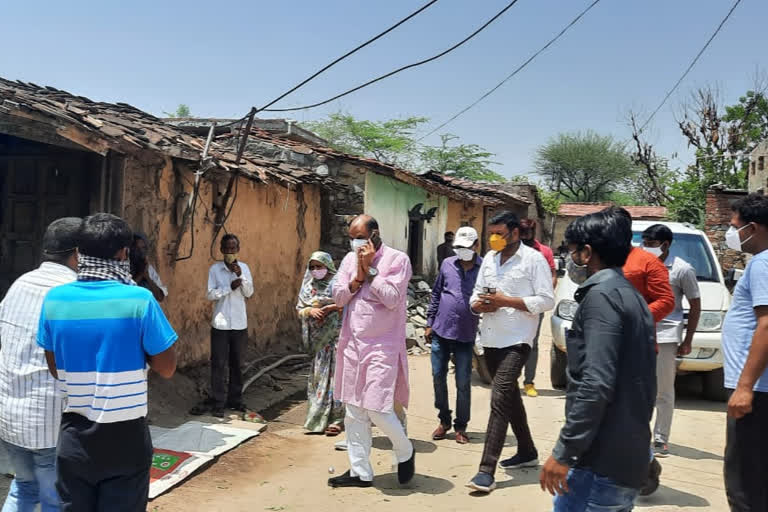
286,470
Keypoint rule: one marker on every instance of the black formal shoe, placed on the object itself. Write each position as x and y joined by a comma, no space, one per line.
347,480
406,470
652,483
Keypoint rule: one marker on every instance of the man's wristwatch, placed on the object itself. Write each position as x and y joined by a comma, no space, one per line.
372,272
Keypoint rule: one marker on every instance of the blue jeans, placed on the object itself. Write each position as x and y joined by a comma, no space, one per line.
590,492
35,480
441,357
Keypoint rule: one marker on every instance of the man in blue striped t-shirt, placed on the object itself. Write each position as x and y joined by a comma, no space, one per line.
99,334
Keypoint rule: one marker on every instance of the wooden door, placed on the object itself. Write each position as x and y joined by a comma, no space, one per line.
34,191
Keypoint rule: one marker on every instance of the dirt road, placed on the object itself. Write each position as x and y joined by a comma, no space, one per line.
286,470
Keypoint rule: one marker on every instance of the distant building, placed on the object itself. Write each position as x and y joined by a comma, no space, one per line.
569,212
758,168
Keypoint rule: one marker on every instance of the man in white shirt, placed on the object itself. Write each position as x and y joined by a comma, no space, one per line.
657,240
30,407
229,284
513,288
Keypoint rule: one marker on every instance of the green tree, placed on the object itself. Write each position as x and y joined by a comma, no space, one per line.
722,138
387,141
585,167
468,161
181,111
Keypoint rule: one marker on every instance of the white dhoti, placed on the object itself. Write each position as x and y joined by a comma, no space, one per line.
359,438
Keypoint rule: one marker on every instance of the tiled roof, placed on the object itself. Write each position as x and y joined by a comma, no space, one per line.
99,127
480,188
637,212
443,185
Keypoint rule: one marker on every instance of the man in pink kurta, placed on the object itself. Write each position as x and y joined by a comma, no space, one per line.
371,361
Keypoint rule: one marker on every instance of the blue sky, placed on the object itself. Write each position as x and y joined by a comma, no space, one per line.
222,57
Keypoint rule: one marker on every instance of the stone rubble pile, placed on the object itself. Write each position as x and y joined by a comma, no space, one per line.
419,294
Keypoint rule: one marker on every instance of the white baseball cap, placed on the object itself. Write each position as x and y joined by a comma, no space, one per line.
465,237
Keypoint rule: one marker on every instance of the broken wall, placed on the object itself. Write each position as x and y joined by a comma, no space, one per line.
717,221
278,229
462,213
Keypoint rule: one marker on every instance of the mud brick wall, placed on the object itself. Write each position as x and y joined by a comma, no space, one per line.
717,220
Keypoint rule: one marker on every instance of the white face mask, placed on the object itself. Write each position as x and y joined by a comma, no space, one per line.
733,240
320,273
656,251
464,254
357,243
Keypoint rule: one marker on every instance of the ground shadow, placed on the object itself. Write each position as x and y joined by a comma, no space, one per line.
477,381
557,393
666,496
421,484
512,478
383,443
692,453
479,438
700,405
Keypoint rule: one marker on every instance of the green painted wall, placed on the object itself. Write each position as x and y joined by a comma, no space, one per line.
389,201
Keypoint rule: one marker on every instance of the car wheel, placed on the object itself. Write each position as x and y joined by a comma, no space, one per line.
713,386
557,363
482,369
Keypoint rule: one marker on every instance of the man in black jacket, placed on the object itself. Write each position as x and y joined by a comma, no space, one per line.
602,456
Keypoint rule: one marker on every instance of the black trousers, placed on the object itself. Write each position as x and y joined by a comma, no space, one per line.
505,365
746,459
227,349
103,467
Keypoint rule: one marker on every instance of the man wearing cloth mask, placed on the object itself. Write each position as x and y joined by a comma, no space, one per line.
528,237
657,240
229,285
601,460
371,360
100,334
452,329
513,288
745,347
30,407
650,277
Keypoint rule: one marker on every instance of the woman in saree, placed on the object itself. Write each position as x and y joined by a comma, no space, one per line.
321,322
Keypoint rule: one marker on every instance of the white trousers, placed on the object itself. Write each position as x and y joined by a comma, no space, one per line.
666,369
359,438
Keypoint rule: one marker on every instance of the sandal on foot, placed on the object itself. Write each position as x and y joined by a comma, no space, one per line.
333,430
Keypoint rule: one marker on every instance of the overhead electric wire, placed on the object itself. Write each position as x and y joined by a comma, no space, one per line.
373,39
336,61
515,72
398,70
690,67
243,136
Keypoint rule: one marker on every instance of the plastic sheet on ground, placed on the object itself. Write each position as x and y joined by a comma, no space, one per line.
180,451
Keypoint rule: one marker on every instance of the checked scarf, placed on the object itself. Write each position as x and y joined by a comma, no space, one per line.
90,268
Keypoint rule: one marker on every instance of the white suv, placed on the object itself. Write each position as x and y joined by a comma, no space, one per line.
693,246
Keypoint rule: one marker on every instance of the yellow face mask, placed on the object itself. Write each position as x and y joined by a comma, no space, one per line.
497,243
230,258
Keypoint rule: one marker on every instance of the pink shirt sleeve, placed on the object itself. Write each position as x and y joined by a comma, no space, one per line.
391,286
341,293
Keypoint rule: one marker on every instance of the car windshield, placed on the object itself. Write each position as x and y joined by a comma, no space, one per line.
694,250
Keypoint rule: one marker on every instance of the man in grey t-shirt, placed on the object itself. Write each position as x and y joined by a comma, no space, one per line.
669,332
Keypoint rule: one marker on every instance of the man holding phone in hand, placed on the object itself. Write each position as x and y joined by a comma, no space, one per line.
514,287
229,285
371,361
